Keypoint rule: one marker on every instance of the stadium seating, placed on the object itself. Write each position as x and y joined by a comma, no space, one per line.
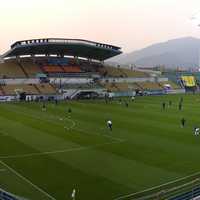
114,72
81,86
122,86
13,89
61,69
31,69
11,70
52,69
71,69
110,87
121,72
135,86
46,88
149,86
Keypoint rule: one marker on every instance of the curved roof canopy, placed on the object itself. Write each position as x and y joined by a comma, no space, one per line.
69,47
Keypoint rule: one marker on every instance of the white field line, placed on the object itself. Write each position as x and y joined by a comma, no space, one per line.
103,135
59,151
72,121
27,181
73,126
156,187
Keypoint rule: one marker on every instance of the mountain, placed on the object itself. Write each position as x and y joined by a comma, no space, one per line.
182,52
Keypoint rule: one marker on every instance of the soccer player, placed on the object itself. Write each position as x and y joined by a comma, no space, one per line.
196,130
69,112
183,122
180,105
109,124
126,104
163,105
73,194
132,98
56,101
170,103
44,106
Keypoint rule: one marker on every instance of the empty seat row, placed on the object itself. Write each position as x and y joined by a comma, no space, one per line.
11,70
30,89
64,69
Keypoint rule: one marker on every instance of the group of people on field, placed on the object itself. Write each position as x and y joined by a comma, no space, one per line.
180,104
109,123
196,129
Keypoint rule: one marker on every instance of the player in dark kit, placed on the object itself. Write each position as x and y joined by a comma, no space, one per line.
163,105
44,106
183,122
170,103
69,112
180,105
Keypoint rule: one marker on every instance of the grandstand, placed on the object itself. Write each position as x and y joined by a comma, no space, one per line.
134,73
32,64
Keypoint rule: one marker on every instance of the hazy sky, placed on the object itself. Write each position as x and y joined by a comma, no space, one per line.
131,24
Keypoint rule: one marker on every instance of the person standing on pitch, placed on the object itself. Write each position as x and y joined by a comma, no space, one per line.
180,105
44,106
196,130
183,122
69,112
109,124
163,105
132,98
73,194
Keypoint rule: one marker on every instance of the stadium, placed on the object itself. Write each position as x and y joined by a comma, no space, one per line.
57,95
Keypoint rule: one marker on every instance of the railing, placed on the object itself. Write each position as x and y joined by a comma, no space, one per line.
183,189
8,196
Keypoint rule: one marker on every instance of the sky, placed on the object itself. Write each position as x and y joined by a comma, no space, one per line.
130,24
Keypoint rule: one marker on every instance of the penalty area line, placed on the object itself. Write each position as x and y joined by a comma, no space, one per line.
27,181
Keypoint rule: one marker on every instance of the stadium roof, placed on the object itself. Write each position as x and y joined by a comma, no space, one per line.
69,47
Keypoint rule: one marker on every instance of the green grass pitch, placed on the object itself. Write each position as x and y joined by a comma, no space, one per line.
45,154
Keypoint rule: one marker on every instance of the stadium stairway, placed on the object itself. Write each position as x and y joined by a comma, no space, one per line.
53,86
35,86
139,86
22,68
